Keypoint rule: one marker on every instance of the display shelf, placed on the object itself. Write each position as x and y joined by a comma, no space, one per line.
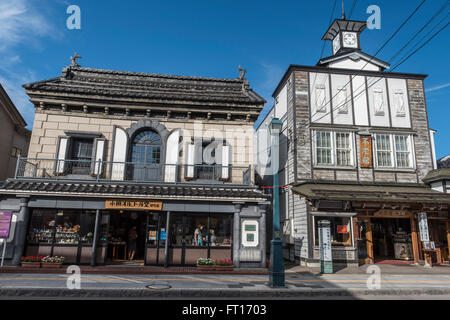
66,237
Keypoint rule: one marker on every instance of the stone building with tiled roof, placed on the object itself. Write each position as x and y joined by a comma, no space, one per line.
112,150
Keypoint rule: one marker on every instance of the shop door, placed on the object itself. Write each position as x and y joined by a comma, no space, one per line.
155,239
157,236
365,243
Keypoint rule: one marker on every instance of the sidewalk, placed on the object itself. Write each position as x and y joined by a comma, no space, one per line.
289,269
130,269
396,282
405,269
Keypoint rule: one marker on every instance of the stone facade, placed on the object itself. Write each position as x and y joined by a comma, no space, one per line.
50,124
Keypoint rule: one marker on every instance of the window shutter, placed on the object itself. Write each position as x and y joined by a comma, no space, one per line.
119,155
98,157
225,162
190,161
63,145
172,151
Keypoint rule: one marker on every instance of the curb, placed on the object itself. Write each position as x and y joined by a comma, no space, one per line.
197,293
130,271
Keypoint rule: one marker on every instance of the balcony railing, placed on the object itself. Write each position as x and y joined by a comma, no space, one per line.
55,169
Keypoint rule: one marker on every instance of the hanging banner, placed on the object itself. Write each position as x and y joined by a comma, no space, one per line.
5,224
423,227
365,150
326,258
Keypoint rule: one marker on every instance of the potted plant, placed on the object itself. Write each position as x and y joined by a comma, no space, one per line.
205,264
31,261
224,265
52,262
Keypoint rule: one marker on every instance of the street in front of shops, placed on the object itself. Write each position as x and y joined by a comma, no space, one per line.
400,282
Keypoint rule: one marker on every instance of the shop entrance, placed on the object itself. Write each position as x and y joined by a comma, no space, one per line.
120,243
392,239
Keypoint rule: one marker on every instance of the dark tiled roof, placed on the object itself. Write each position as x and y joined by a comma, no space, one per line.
110,83
444,162
437,174
343,24
371,192
129,189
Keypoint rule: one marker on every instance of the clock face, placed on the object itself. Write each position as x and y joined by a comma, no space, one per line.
350,39
336,43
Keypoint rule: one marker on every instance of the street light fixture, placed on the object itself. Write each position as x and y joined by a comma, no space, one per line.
276,269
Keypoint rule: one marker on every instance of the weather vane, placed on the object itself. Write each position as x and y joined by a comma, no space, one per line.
74,59
242,72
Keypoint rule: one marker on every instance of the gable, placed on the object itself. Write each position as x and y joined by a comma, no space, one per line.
354,60
360,64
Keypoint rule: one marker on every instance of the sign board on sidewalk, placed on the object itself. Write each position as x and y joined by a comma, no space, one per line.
5,224
326,258
423,227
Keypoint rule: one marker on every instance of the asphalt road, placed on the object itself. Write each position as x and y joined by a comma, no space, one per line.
401,286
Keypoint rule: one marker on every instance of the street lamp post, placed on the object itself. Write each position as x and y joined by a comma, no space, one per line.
276,270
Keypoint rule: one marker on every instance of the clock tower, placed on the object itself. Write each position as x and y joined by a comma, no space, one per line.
346,47
344,34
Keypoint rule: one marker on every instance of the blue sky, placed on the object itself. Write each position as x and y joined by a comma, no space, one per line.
208,38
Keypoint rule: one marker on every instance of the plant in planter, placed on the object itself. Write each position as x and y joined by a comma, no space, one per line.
31,261
52,262
205,264
224,264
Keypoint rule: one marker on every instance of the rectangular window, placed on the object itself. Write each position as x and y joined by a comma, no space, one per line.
341,234
323,148
343,149
393,151
81,156
384,150
333,148
402,151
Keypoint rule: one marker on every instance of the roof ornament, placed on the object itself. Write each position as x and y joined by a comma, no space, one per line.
242,72
74,60
343,11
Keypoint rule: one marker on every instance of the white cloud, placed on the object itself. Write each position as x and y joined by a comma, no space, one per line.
12,82
20,23
438,87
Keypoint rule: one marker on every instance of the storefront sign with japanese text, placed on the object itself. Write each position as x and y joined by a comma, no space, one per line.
388,213
365,147
133,204
5,224
325,252
423,227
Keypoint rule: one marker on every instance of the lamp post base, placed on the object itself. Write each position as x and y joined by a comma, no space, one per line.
276,269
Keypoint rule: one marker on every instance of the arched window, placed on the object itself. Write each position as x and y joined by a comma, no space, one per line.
146,156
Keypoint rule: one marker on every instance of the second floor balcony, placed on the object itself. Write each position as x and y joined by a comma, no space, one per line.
87,170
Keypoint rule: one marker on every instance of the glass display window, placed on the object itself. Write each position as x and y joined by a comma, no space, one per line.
87,227
67,227
221,230
341,233
196,230
42,226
